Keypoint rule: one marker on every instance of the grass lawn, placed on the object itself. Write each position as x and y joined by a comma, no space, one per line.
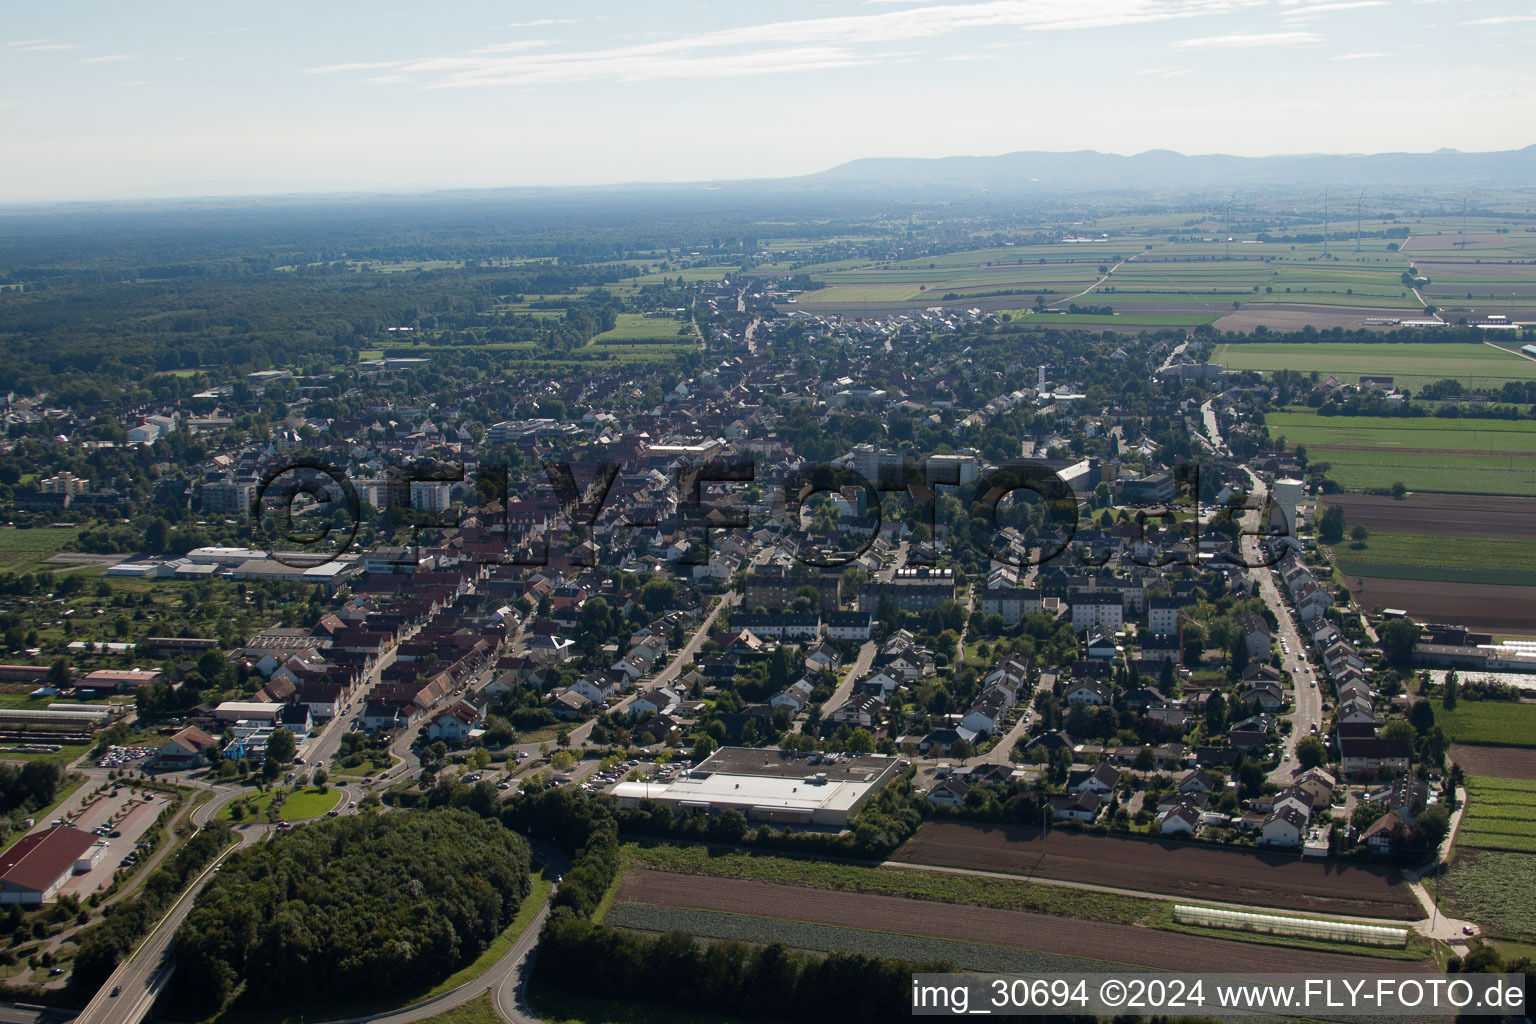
299,806
367,768
1495,722
479,1010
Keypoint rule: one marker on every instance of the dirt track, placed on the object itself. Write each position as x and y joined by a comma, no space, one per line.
1094,940
1450,515
1500,762
1187,870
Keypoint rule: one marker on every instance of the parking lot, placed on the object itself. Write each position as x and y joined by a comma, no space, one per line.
122,821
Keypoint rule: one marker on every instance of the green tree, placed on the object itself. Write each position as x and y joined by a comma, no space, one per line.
1452,686
1311,752
1330,525
280,747
1359,534
861,741
1398,637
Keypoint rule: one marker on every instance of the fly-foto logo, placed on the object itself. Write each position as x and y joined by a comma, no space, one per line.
321,498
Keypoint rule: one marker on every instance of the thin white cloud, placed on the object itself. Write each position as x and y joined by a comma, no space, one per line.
954,57
387,79
26,42
110,58
1362,56
40,47
366,65
1503,19
10,103
1244,40
1346,5
805,44
541,22
515,47
1169,72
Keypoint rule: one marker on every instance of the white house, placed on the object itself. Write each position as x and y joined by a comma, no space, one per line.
1285,826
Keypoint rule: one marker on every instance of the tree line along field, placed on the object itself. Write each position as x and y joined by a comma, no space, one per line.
1500,815
1494,723
1410,364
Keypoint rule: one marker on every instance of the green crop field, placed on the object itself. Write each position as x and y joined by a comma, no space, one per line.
1411,556
1493,437
1494,888
1411,363
1500,815
638,327
1493,722
23,548
1473,456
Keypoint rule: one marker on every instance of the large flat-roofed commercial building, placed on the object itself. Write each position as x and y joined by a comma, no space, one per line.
782,787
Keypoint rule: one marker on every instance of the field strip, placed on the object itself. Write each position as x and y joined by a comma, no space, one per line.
1513,351
1093,940
1138,893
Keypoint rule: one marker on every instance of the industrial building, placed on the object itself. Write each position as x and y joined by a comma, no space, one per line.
775,786
37,866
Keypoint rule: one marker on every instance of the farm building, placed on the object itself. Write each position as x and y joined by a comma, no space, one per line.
772,785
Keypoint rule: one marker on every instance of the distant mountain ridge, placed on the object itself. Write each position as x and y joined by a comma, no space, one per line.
1161,168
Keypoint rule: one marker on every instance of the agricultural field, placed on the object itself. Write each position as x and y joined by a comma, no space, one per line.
1442,515
1439,559
1497,609
1500,815
1494,888
23,549
1410,364
1494,723
1501,762
987,926
637,327
1188,871
1496,457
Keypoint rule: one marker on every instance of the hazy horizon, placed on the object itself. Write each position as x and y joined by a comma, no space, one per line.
97,102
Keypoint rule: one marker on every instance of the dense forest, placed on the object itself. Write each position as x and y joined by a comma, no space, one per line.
376,904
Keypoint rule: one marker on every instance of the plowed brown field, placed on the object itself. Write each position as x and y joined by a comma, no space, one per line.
1450,515
1187,870
1115,943
1499,762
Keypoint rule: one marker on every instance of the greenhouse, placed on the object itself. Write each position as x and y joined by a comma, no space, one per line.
1295,927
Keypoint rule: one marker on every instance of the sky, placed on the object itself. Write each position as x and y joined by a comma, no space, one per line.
115,100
